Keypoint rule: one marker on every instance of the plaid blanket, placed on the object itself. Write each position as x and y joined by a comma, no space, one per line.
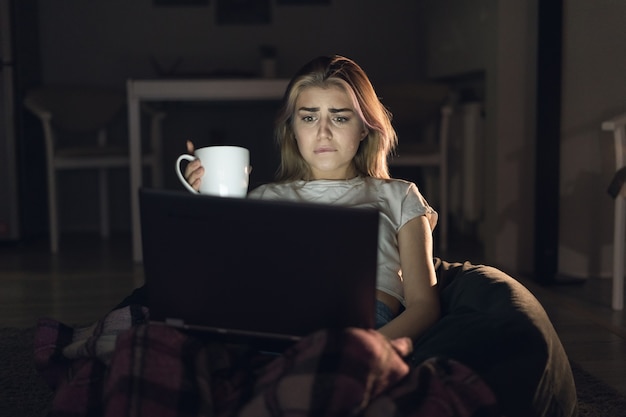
124,366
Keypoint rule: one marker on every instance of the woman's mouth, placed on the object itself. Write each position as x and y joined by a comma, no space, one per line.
323,150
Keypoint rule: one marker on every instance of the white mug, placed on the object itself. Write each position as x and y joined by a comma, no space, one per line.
226,170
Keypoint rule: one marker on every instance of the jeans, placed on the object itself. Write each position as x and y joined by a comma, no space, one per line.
383,314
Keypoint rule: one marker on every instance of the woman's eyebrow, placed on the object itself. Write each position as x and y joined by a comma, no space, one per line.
331,110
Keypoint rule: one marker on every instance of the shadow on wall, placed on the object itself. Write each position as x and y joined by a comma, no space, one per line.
514,220
584,202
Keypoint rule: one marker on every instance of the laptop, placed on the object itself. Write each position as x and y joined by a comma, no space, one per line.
261,272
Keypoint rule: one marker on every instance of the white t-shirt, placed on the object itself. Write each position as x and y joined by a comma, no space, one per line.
398,201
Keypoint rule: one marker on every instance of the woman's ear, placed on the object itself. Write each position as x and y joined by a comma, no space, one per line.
364,133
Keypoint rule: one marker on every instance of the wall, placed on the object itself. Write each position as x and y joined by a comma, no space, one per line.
511,137
108,41
594,90
497,39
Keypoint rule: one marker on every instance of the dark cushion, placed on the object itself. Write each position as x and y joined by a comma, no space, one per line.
493,324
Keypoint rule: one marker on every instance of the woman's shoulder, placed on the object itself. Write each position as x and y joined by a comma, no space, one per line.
259,191
274,190
393,185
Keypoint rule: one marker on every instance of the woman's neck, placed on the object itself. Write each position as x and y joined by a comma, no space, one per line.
348,175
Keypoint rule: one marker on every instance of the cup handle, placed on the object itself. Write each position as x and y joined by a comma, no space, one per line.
184,157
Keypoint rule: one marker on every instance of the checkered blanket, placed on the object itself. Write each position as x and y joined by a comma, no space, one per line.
124,366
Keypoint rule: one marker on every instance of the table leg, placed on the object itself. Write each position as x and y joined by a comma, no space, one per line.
134,139
617,301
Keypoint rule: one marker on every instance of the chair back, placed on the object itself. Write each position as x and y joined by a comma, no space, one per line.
75,109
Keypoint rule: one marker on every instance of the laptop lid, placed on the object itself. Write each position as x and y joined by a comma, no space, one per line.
257,268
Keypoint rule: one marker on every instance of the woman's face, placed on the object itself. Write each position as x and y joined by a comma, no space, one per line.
328,131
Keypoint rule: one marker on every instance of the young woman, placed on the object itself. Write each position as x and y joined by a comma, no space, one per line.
335,136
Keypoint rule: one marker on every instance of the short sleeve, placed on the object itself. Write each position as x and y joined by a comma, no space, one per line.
413,205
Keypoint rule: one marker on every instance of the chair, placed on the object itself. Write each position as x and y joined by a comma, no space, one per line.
421,116
85,114
618,126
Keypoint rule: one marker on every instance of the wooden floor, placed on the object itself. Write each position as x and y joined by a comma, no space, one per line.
91,275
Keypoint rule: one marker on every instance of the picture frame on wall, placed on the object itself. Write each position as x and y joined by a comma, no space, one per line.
302,2
243,12
180,3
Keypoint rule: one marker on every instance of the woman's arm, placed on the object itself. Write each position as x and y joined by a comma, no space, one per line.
415,244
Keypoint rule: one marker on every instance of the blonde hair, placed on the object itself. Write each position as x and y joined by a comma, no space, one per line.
325,71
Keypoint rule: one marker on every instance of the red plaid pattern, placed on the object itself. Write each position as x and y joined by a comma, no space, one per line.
156,370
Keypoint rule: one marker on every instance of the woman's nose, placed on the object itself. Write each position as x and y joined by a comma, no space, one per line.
324,131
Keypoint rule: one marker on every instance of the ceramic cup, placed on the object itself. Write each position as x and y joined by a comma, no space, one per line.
226,170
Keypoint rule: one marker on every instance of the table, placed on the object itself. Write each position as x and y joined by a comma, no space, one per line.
182,90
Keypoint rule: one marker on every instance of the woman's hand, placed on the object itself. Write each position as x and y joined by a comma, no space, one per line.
194,170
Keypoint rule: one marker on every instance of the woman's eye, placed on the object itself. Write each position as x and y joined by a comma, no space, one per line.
308,118
341,119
